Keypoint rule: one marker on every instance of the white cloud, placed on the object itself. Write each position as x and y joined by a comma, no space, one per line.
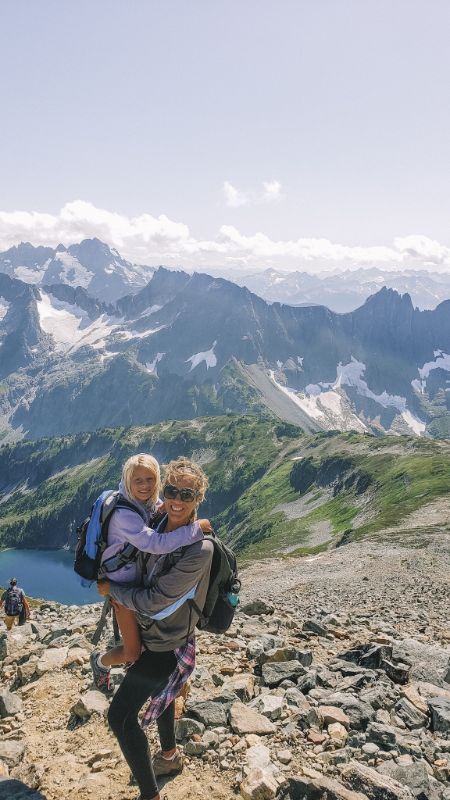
233,197
272,191
146,239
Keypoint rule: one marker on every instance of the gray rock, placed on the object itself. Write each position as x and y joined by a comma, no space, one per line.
410,715
277,655
185,727
210,713
308,681
51,659
241,686
91,702
384,736
398,672
257,607
296,699
440,715
314,626
274,673
359,712
10,704
269,705
195,748
428,662
246,720
377,787
320,787
414,775
11,752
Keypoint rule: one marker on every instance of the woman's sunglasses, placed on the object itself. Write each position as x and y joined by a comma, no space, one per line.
170,492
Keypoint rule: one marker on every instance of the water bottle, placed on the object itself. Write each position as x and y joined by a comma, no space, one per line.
233,594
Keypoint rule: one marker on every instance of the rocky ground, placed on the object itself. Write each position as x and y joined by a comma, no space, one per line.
333,683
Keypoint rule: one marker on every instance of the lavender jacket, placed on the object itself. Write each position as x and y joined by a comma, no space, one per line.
128,526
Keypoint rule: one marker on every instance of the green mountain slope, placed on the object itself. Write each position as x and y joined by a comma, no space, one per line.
273,489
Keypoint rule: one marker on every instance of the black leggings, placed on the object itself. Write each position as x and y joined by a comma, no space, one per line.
144,679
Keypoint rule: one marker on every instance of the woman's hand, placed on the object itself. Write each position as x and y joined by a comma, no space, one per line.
205,525
103,587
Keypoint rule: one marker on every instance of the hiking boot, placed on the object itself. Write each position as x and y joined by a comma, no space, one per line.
102,675
167,766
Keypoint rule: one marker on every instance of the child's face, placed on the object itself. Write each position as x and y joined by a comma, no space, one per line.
142,484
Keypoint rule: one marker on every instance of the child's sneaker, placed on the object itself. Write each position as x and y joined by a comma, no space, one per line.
102,675
167,766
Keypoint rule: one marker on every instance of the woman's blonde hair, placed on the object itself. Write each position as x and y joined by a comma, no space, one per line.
185,468
141,460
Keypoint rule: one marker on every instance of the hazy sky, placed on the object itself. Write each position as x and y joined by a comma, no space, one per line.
289,133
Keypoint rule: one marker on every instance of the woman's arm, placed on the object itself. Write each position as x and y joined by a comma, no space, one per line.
169,588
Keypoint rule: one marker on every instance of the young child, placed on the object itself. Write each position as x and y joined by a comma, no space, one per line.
140,485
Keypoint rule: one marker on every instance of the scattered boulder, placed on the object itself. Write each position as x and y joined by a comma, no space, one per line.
10,704
440,715
91,702
374,785
246,720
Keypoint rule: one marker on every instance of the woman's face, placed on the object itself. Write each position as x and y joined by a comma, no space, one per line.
142,484
179,511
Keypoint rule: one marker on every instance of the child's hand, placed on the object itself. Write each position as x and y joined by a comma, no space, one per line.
205,525
103,588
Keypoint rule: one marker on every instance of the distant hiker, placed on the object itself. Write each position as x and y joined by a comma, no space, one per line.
17,609
167,603
140,485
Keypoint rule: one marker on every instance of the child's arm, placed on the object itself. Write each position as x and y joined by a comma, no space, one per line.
132,529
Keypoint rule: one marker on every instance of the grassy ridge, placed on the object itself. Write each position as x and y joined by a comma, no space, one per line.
273,490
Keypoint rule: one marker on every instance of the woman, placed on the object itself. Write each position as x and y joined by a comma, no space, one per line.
140,485
165,605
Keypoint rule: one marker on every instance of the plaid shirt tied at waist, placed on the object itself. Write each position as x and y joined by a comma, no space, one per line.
185,657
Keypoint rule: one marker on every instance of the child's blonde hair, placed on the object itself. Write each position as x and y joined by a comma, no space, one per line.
142,460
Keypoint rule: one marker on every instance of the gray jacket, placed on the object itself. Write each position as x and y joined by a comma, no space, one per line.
165,617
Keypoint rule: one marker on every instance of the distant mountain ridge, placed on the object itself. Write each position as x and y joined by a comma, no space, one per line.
101,270
344,291
189,345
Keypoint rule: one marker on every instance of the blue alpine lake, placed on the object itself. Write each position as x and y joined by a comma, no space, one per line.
47,574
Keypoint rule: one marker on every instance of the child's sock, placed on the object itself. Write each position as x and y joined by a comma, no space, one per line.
100,662
170,758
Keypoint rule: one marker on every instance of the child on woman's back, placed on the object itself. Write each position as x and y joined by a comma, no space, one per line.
140,485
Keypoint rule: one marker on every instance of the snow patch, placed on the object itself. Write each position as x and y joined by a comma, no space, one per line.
79,275
279,364
127,335
442,361
151,365
4,305
414,423
69,325
207,356
28,274
150,310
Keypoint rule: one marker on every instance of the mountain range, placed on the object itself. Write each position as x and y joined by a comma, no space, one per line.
189,345
101,270
343,291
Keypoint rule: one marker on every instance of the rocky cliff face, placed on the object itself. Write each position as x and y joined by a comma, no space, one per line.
333,682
